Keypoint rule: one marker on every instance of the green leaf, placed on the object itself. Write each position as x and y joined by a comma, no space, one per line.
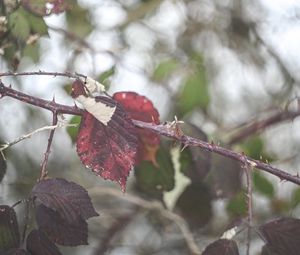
295,201
78,20
32,51
19,25
37,24
164,69
154,180
195,205
103,78
262,185
194,93
237,206
73,131
2,166
254,148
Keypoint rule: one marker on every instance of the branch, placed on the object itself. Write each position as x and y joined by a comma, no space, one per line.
247,168
154,206
165,129
259,125
44,173
26,136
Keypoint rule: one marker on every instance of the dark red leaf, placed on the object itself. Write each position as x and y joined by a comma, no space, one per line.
60,231
109,150
69,199
17,252
222,246
282,235
141,108
37,243
9,230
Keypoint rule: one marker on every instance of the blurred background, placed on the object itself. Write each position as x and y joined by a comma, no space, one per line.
218,65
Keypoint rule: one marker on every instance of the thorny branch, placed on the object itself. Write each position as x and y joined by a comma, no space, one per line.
161,129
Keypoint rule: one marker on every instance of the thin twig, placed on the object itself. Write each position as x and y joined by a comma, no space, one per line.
161,129
47,153
29,135
247,169
45,73
27,207
259,125
154,206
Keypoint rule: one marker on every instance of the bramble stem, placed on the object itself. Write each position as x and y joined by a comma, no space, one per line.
161,129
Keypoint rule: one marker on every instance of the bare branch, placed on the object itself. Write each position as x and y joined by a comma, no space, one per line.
247,168
260,125
29,135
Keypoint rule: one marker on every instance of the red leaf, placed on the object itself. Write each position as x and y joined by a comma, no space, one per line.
222,246
109,149
59,230
68,199
141,108
282,235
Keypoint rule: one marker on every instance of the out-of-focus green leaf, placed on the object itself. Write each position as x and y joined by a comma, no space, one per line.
73,131
2,166
194,93
224,177
195,163
263,185
78,20
32,51
37,24
19,25
68,88
254,148
194,205
164,69
103,78
154,180
237,206
295,201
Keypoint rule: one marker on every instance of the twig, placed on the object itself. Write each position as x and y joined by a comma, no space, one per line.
26,136
247,168
47,153
259,125
155,206
161,129
45,73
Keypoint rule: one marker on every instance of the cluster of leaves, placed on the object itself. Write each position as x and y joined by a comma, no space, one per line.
61,210
22,23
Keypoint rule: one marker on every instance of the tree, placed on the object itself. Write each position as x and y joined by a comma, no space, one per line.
203,153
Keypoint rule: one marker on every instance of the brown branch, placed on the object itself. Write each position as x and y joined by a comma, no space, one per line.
260,125
247,168
167,130
44,172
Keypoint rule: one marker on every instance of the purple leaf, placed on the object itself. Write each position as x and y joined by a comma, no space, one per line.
60,231
282,235
222,246
68,199
37,243
9,230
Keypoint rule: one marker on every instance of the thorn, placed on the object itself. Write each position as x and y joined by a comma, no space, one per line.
183,148
53,99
